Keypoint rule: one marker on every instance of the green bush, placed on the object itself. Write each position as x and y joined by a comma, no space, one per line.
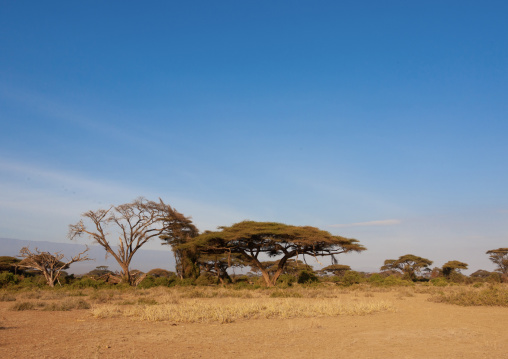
206,279
439,282
186,282
7,278
284,280
378,280
87,282
351,277
305,277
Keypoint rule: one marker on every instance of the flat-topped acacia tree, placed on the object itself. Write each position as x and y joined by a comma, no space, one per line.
251,239
500,257
409,265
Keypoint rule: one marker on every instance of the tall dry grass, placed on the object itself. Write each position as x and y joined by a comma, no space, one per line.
233,309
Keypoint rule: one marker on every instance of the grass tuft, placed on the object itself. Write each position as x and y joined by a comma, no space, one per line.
494,296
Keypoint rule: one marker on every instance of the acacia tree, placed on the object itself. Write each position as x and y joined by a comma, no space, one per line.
336,269
178,230
217,264
292,267
453,267
134,224
500,258
409,265
50,265
251,239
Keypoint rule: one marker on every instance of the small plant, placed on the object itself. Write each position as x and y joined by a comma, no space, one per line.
6,297
285,294
439,282
147,301
26,306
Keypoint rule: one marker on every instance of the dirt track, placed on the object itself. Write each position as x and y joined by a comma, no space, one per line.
418,329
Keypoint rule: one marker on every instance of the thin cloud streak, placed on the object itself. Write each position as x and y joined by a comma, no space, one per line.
386,222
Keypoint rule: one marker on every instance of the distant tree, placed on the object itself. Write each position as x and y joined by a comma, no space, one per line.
133,224
500,258
452,267
9,264
409,265
251,239
336,269
50,265
99,271
158,272
481,273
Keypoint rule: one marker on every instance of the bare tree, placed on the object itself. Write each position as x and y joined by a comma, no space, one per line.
134,224
50,265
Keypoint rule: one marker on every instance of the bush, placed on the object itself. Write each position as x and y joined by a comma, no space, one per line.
87,282
307,277
186,282
206,279
378,280
439,282
7,278
284,280
351,277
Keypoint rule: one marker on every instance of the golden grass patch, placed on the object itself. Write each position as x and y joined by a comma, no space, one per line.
227,311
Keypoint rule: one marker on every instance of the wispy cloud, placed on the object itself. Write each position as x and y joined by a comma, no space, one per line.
385,222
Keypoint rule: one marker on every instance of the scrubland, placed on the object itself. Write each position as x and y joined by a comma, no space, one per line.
325,320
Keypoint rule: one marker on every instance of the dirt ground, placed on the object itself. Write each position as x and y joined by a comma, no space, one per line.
418,329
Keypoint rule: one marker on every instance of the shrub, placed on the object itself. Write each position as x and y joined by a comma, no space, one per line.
378,280
25,306
307,277
5,297
351,277
87,282
206,279
7,278
186,282
285,294
439,282
284,280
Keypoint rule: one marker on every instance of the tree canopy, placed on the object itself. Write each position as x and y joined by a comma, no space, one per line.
500,257
453,267
409,264
251,239
336,269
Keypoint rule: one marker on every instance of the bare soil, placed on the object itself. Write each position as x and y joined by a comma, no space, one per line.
418,329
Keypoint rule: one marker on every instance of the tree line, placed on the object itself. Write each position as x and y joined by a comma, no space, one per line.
122,230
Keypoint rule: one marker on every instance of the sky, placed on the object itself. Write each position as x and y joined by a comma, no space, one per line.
381,121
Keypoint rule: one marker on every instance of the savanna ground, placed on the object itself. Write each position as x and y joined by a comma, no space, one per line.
297,322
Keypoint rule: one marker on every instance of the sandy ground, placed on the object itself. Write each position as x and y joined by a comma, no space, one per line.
418,329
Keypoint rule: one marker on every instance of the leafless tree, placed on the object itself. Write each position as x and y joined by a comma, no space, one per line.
133,223
51,265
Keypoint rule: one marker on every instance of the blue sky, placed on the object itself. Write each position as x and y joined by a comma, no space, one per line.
383,121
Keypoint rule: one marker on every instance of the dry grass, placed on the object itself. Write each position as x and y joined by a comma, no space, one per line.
493,296
230,310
